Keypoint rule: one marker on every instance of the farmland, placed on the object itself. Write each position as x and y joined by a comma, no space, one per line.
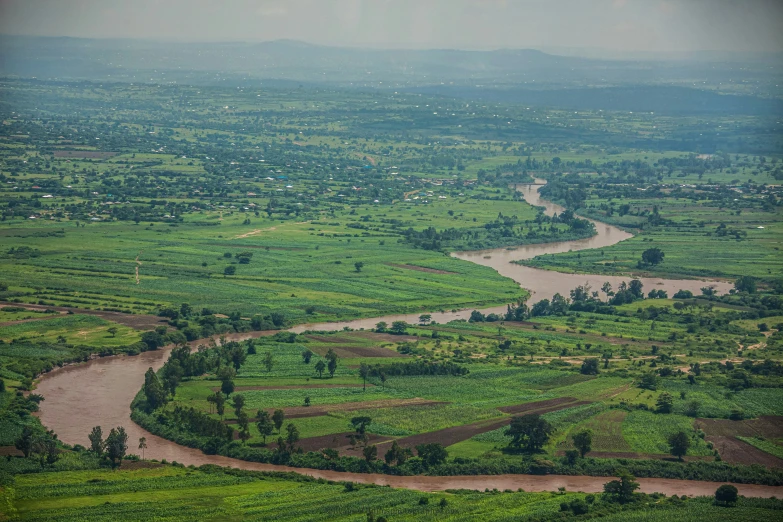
222,269
185,494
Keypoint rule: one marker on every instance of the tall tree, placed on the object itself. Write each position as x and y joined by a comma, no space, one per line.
679,444
529,432
239,403
364,372
622,490
153,390
264,424
142,446
292,436
278,417
96,441
116,445
319,368
583,441
370,453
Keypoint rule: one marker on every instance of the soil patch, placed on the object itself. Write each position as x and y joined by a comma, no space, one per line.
455,434
421,269
735,451
338,441
139,322
83,154
10,450
768,427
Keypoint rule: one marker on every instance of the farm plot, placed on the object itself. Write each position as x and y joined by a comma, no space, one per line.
77,329
607,428
647,432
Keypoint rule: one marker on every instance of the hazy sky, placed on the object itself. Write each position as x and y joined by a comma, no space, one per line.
632,25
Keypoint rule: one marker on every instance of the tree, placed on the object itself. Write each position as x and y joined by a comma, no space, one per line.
142,446
220,403
307,355
396,455
382,377
621,490
665,403
583,441
425,318
692,408
370,453
113,331
726,495
635,287
360,424
24,442
589,366
399,327
432,453
278,417
746,284
652,256
364,372
153,390
116,445
606,288
292,436
96,441
679,444
649,381
244,426
381,327
264,424
230,270
153,340
268,361
239,403
320,367
332,367
529,432
227,387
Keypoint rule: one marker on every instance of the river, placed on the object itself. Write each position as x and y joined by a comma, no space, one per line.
99,392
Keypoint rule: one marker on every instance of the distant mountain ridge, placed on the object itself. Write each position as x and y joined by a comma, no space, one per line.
76,58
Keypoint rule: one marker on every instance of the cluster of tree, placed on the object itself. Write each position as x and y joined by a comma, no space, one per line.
113,448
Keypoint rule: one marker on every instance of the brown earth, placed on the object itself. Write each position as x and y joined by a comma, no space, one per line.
455,434
137,321
723,434
10,450
420,269
767,426
83,154
735,451
338,441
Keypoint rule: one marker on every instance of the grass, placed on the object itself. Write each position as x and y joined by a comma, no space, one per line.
87,330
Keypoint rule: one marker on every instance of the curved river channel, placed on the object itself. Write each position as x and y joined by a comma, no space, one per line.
99,392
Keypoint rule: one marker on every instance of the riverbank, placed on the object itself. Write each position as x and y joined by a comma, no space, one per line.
99,392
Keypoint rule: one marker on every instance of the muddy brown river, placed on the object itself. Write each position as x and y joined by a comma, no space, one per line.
99,392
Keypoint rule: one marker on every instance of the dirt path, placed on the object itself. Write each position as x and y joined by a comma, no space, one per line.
270,229
138,264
